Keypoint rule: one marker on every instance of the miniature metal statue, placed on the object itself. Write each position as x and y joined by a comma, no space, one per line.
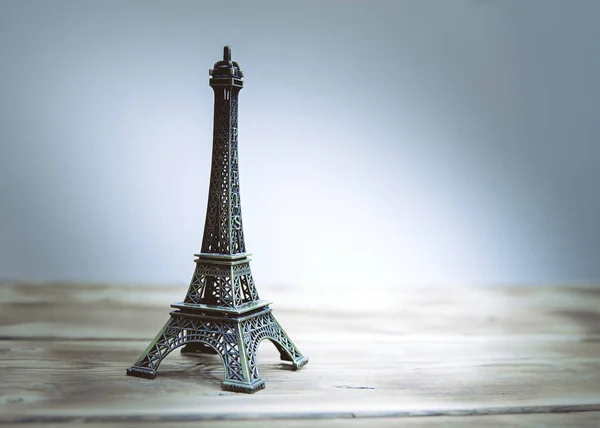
222,312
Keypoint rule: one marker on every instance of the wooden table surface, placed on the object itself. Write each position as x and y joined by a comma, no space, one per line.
455,356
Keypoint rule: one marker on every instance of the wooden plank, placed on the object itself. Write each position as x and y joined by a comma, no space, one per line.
85,379
104,311
535,420
411,353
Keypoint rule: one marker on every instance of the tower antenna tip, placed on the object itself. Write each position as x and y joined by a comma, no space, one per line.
226,53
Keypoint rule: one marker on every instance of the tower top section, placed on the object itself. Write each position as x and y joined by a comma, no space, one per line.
226,72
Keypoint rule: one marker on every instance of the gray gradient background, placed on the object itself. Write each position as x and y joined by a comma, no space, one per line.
381,142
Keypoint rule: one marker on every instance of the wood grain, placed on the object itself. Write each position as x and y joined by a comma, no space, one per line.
421,354
534,420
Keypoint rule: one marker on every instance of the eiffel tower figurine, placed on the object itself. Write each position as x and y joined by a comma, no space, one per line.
221,312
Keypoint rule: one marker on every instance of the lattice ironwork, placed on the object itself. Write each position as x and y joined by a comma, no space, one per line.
223,285
223,231
222,312
234,340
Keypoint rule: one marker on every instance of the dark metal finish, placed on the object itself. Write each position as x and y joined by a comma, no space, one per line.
221,312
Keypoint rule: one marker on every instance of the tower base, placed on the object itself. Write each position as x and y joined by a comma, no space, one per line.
234,338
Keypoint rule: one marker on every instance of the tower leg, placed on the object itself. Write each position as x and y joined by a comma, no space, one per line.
251,331
267,327
165,341
245,355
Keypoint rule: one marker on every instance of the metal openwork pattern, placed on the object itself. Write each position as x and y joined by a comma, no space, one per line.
256,329
223,232
222,285
235,341
221,312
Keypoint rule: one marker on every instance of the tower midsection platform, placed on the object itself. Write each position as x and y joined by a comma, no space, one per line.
220,311
222,283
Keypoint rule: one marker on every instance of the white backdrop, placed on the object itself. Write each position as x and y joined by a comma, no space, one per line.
381,143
